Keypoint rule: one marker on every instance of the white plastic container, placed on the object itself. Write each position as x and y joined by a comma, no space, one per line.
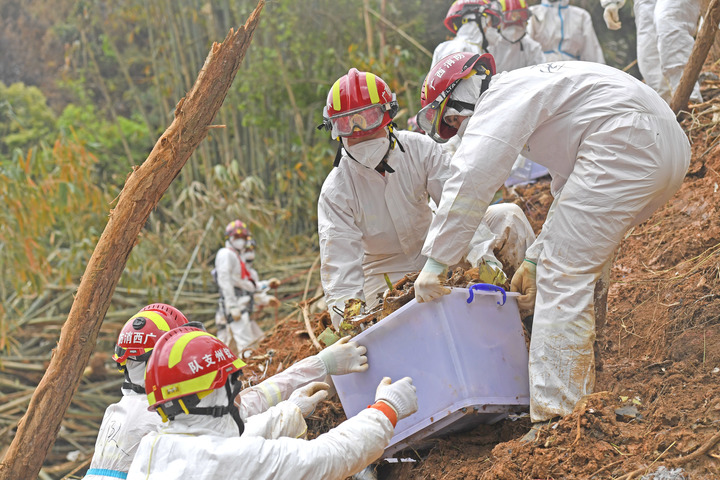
468,362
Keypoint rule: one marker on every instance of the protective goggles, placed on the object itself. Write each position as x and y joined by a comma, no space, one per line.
138,354
362,119
512,17
430,117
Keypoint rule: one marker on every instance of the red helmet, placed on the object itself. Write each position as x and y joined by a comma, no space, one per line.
439,85
237,228
358,104
167,311
187,361
514,12
460,8
139,334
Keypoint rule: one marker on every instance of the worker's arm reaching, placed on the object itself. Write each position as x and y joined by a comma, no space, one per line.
341,251
340,358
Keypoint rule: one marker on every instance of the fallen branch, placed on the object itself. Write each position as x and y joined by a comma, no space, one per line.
697,453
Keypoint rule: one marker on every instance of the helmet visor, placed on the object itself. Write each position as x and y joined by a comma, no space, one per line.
365,119
430,119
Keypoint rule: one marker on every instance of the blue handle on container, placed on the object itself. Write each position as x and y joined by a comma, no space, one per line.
487,287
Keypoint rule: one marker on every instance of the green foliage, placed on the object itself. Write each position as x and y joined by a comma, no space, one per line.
25,118
104,138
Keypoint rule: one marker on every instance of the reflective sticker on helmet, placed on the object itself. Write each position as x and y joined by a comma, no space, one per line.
179,346
336,95
372,87
155,317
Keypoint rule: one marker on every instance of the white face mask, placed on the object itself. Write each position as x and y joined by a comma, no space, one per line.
136,371
370,152
237,243
513,33
249,256
463,126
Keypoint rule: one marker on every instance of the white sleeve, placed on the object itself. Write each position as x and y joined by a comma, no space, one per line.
341,248
283,420
277,388
223,269
592,51
337,454
479,167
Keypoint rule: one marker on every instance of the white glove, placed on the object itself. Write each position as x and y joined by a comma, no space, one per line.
400,396
524,282
344,357
428,285
236,313
272,301
611,16
307,397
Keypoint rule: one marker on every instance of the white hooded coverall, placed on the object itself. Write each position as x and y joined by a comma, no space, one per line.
508,56
237,290
370,224
665,30
565,32
126,422
197,449
615,152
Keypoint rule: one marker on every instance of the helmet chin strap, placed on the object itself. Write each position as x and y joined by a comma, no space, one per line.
129,385
188,405
478,20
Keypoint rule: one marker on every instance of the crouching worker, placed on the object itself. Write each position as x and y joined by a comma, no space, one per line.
192,379
126,422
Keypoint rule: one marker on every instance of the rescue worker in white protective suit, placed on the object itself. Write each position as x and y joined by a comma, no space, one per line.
565,32
665,38
239,291
126,422
482,26
615,152
373,211
192,379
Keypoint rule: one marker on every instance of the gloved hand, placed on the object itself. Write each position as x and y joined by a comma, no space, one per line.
307,397
612,17
524,282
273,301
489,272
400,396
428,285
236,313
338,309
344,357
274,283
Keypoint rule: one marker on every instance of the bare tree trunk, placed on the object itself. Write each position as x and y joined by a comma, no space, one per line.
714,54
703,42
143,189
